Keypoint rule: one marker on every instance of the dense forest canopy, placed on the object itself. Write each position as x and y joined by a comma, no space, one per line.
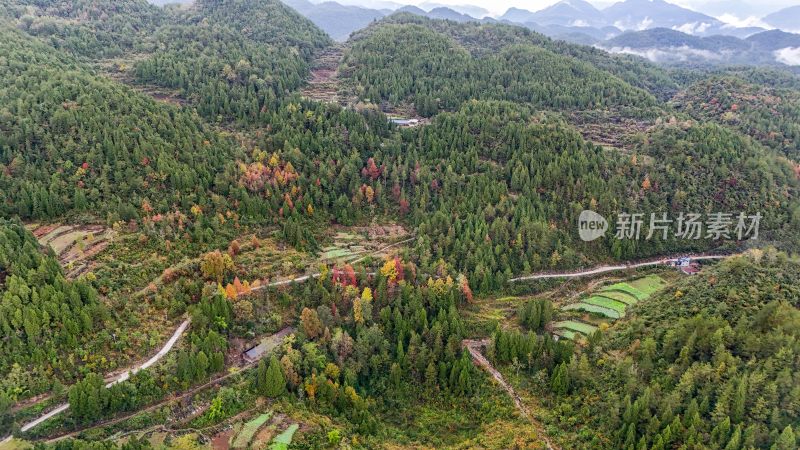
89,28
76,141
408,62
768,114
485,39
49,324
233,59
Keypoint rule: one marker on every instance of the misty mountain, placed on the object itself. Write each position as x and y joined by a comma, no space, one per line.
663,45
336,19
470,10
774,40
644,14
575,35
578,13
412,10
449,14
665,38
577,20
787,19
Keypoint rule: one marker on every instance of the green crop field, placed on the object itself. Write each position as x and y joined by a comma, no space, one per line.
246,435
581,327
581,306
649,284
619,296
606,303
569,334
627,288
282,441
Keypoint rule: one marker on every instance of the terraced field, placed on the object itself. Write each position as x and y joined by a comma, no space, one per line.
572,325
609,302
626,289
75,245
619,296
583,306
245,436
283,440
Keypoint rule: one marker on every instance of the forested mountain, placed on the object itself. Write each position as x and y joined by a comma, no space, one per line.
226,191
92,28
74,141
770,115
386,62
486,40
233,59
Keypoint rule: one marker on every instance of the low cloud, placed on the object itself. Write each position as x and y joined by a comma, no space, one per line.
625,25
693,27
736,22
789,56
671,54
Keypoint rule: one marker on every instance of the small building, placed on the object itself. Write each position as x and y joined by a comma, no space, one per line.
266,345
404,122
691,269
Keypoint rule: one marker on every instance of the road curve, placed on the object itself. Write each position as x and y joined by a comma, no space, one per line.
604,269
122,377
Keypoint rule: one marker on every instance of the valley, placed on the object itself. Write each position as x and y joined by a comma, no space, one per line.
228,224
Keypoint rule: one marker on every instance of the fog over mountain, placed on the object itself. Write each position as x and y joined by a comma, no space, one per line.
710,32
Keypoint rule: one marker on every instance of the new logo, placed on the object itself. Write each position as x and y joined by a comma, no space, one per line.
591,225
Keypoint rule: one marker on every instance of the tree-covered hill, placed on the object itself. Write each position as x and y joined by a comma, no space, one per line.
710,362
263,21
408,62
73,141
233,59
495,189
45,320
768,114
90,28
484,42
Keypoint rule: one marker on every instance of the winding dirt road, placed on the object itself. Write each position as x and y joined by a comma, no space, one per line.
474,347
278,339
120,378
604,269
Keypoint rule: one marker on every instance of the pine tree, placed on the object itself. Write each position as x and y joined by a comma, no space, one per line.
274,381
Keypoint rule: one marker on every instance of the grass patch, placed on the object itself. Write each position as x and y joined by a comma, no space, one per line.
649,284
15,444
565,333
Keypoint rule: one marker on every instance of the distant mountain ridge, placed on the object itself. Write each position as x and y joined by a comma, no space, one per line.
667,45
787,19
576,21
334,18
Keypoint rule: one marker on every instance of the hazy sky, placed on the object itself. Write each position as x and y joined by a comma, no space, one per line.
739,9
